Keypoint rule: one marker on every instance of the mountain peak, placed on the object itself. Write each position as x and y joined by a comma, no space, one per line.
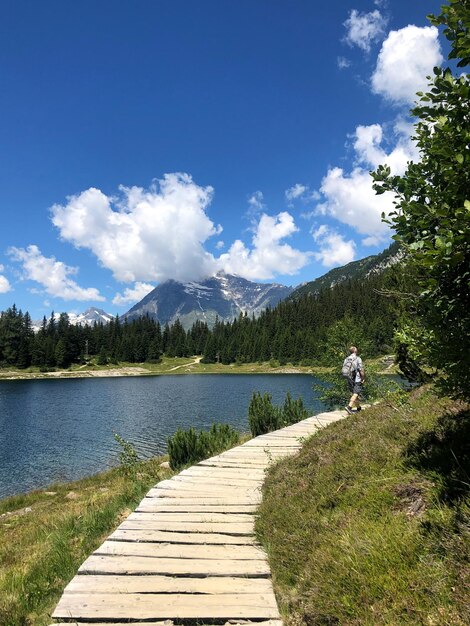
223,296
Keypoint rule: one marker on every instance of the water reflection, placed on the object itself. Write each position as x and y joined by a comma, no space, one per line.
59,430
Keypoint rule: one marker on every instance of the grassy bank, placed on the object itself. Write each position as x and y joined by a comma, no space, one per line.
370,523
173,366
46,535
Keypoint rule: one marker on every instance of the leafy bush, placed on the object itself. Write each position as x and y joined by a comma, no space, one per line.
333,390
186,447
293,411
128,457
264,417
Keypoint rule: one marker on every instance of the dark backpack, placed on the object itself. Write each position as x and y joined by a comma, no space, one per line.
349,368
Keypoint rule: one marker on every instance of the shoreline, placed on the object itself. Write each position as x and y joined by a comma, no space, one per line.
130,371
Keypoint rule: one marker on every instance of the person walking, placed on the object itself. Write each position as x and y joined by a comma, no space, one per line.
353,370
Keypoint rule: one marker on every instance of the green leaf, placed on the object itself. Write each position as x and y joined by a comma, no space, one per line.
459,158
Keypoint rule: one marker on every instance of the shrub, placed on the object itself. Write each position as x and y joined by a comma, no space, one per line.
264,417
128,457
332,388
293,411
186,447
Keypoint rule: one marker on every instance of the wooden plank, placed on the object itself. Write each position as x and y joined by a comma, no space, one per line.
185,489
104,564
226,472
166,584
229,463
166,606
204,487
168,497
196,508
276,436
190,527
215,478
189,550
207,517
145,535
202,502
270,622
175,551
218,481
279,445
184,495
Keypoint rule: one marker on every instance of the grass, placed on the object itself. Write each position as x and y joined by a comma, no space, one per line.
46,535
173,366
370,523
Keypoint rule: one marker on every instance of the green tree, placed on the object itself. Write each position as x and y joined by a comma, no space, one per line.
432,213
102,356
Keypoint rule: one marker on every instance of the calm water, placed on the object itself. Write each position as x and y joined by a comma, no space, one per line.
61,430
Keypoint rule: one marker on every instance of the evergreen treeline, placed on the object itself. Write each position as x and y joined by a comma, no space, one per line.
60,343
296,331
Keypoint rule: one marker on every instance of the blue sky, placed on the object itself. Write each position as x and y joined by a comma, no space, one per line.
144,140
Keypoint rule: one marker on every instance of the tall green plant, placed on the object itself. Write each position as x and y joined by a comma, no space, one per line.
189,446
432,210
264,417
333,390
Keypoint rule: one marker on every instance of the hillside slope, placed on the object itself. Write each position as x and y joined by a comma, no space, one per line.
370,523
361,269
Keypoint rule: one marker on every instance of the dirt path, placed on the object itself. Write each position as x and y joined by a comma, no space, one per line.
195,362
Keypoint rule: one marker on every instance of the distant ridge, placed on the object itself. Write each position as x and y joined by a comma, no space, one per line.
223,296
374,264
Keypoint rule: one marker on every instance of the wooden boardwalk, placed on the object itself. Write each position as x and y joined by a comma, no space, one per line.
188,553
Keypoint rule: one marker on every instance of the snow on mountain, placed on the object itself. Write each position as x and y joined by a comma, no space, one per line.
90,316
224,296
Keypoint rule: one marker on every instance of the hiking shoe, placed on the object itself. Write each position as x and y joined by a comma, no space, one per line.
349,410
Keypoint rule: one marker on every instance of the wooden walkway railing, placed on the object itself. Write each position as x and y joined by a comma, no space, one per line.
188,553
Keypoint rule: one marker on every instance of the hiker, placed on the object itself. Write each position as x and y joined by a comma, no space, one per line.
353,370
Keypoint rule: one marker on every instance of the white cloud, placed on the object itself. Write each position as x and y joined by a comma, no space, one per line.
350,198
407,56
52,275
5,286
295,192
302,192
334,249
369,150
268,255
343,62
139,291
144,235
371,241
363,29
219,245
256,201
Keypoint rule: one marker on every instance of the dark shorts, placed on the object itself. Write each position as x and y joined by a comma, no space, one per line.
355,387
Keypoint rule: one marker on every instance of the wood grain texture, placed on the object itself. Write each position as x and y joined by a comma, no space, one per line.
188,551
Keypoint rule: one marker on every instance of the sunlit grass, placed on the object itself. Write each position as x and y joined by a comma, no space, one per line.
369,524
46,535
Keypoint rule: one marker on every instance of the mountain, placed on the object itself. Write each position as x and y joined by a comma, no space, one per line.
374,264
224,296
90,316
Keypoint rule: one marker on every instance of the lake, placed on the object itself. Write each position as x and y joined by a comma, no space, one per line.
62,430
